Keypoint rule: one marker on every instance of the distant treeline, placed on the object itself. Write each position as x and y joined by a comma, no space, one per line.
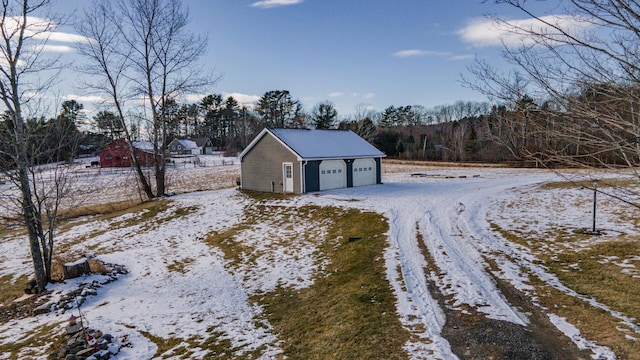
524,133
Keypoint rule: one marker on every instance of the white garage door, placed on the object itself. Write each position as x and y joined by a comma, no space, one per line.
333,174
364,172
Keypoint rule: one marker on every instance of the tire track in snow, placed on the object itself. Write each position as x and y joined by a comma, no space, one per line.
521,257
418,309
463,271
457,226
405,205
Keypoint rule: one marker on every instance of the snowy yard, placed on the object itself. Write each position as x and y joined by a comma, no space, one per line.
179,286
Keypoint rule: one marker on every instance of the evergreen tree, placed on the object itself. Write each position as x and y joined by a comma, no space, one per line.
278,109
212,108
324,115
108,124
471,142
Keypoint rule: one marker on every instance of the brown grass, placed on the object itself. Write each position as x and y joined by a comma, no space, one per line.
167,344
40,337
100,209
594,324
212,341
12,288
439,164
349,311
180,266
602,184
602,279
266,196
592,273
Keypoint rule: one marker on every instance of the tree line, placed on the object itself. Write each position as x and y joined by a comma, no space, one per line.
231,126
464,131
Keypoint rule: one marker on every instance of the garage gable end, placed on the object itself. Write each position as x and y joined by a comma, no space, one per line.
262,167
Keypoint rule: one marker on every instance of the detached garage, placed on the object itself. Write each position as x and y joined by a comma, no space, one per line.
302,161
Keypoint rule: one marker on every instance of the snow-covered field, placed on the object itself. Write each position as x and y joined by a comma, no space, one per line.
452,209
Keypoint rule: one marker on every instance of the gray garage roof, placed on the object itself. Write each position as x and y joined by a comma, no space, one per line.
322,144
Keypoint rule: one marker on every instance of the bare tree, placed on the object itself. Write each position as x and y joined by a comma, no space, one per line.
25,76
362,111
167,55
582,67
145,52
107,69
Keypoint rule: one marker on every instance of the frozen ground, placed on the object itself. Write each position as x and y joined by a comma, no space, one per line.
449,210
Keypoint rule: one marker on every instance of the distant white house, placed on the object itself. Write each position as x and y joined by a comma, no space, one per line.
301,161
199,146
205,145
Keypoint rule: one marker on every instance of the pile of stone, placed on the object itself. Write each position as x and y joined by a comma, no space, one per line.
85,343
75,298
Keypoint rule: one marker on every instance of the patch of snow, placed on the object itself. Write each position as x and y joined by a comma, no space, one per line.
598,352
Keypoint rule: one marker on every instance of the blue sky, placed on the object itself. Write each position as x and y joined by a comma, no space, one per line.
350,52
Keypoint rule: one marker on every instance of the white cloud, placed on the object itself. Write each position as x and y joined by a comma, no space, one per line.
53,48
462,57
4,63
410,53
192,98
243,99
336,94
267,4
65,37
369,95
43,31
417,53
12,24
86,98
486,32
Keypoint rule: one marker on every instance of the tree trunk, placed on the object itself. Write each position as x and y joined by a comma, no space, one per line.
136,164
29,213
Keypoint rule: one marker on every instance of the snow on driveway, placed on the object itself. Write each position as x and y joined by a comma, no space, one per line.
450,213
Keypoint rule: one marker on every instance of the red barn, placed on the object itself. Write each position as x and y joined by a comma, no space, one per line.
117,154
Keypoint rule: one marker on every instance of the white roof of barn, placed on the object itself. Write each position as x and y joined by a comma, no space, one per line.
143,145
187,144
321,144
